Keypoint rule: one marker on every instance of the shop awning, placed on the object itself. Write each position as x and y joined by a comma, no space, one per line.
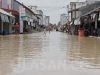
4,18
6,13
77,21
92,11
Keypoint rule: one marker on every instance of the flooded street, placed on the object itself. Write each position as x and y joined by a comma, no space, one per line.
55,53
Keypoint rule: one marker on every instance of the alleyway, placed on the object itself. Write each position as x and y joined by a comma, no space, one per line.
54,54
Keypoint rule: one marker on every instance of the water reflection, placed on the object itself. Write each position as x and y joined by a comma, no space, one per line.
87,51
17,53
8,52
16,50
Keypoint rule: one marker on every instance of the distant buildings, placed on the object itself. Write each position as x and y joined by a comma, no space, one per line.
63,19
46,20
42,19
40,15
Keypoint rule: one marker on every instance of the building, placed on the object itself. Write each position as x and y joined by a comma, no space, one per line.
39,14
86,17
63,19
24,16
6,22
27,17
46,20
73,9
90,19
74,13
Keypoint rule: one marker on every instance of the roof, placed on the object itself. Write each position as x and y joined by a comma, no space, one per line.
6,13
92,11
89,8
12,11
25,7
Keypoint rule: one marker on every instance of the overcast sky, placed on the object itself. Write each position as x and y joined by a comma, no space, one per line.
52,8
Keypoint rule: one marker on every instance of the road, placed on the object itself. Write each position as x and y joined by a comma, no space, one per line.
51,54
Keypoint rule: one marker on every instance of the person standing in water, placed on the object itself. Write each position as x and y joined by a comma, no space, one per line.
17,27
49,29
44,31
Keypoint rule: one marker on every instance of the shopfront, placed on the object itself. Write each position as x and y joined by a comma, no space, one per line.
77,24
6,22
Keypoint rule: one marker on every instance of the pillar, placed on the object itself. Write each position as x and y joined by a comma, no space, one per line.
96,20
2,27
21,26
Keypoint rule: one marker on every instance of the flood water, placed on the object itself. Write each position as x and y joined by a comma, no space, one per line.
56,53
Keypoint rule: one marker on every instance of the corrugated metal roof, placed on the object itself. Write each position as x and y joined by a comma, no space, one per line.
92,11
89,8
6,13
25,7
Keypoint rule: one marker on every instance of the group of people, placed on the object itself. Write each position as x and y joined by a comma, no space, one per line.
16,28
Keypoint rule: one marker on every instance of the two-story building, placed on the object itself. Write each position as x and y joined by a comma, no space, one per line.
75,13
90,17
23,15
6,22
87,16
